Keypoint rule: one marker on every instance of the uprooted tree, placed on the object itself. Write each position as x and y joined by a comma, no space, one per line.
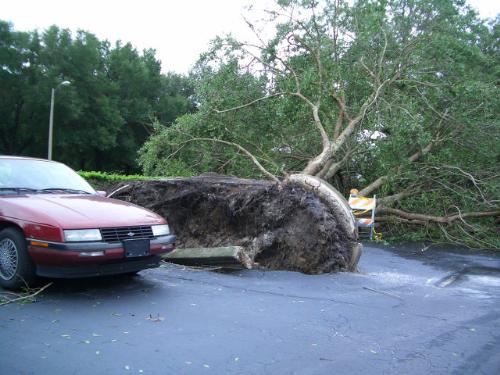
395,98
301,224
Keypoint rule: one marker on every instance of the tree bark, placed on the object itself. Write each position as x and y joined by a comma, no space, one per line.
379,181
424,218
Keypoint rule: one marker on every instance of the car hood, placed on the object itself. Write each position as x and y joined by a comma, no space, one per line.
76,211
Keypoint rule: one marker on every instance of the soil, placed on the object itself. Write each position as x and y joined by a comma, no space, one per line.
281,227
103,185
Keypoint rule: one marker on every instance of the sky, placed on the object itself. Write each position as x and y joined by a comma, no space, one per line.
179,30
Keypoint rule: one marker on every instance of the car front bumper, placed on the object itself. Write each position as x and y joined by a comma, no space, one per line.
87,259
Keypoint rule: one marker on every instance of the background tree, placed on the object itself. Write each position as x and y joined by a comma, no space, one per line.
103,117
397,98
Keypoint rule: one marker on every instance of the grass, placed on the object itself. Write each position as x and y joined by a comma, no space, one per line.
112,177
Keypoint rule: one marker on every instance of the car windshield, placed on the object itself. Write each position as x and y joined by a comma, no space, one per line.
39,176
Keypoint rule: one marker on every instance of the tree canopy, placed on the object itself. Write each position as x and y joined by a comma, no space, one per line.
395,98
100,119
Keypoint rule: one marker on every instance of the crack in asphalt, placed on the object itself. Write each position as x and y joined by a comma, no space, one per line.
286,295
295,296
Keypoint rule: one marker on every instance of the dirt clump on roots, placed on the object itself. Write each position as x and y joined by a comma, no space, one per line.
282,227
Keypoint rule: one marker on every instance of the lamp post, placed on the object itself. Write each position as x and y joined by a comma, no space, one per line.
51,118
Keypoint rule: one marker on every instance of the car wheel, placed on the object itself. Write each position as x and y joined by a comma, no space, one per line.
16,267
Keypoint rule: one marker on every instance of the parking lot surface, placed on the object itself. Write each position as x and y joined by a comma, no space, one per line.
408,311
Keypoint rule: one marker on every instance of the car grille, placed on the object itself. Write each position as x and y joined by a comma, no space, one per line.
126,233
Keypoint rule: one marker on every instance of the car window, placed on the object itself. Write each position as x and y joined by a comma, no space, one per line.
40,174
5,173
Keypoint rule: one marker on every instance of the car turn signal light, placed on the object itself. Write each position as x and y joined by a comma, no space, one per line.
39,244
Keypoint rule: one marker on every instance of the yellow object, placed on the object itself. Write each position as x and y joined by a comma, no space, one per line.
362,205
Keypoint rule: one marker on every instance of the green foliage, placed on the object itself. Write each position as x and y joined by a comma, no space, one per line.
432,129
173,147
111,177
103,117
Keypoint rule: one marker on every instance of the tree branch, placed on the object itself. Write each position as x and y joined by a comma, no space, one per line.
347,132
331,169
242,149
338,124
249,103
379,181
26,296
390,199
392,219
438,219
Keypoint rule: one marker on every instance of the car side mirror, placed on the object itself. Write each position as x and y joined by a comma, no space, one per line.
101,193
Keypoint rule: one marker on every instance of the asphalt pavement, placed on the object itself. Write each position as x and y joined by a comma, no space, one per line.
408,311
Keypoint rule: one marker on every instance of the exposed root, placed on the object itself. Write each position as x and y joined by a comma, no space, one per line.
280,226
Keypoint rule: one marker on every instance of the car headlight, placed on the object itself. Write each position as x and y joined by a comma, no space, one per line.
160,230
80,235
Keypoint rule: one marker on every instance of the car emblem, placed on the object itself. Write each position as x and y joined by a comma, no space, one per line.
130,234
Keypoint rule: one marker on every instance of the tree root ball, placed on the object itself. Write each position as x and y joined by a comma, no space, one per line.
285,226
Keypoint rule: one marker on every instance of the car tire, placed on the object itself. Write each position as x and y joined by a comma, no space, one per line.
16,267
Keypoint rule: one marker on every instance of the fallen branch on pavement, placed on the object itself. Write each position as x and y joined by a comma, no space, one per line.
26,296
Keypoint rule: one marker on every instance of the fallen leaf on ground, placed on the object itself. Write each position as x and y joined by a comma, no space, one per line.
156,318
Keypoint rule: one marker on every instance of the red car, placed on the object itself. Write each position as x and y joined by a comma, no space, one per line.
54,224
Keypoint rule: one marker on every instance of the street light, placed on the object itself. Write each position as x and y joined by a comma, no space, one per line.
51,119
